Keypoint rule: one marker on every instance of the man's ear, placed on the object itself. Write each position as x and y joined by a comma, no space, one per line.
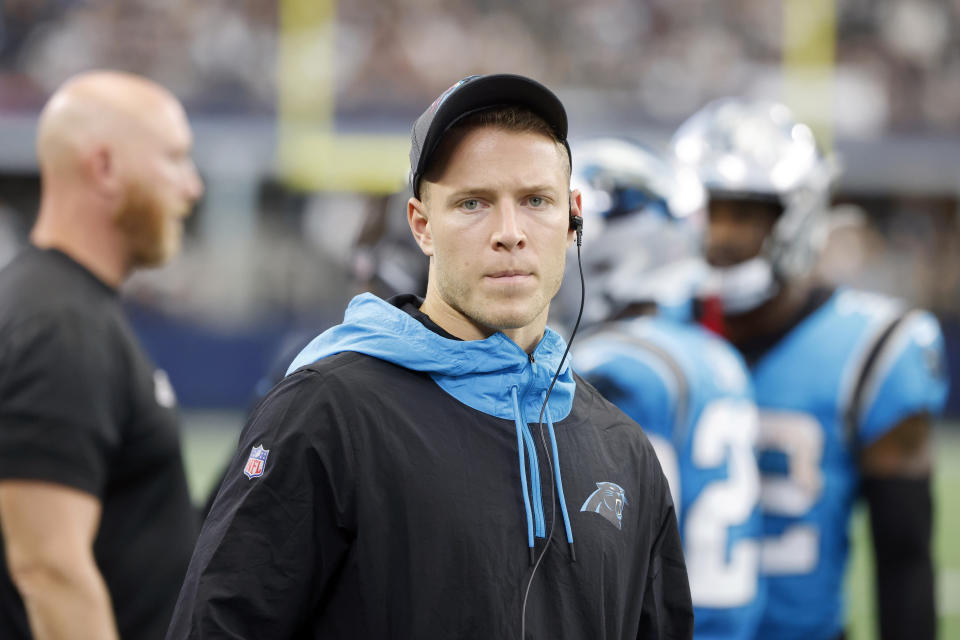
576,210
100,166
420,225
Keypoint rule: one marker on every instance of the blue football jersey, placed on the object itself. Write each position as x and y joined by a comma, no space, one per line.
690,391
837,381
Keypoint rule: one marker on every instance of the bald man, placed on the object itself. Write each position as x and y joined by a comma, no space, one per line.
96,524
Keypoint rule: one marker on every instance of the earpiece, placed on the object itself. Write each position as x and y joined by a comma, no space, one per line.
576,223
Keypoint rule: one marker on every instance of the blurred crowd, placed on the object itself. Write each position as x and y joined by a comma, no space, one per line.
215,55
904,247
898,61
256,247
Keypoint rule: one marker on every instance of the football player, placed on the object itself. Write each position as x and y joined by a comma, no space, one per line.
847,382
687,388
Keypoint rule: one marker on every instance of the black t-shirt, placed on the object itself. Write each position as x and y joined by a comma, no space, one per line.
81,405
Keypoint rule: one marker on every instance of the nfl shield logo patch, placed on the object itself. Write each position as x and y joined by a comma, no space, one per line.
256,462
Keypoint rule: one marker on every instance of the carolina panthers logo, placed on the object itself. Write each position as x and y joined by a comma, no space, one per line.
608,500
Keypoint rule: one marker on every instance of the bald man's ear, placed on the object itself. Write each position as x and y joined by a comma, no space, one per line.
100,167
420,225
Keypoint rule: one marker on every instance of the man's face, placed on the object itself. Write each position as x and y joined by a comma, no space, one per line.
162,187
737,230
497,226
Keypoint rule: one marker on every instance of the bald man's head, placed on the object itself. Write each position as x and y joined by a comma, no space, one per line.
123,142
95,108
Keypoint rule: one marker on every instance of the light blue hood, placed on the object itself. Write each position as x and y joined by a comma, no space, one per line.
478,373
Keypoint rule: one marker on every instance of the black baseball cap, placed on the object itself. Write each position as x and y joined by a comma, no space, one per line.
473,94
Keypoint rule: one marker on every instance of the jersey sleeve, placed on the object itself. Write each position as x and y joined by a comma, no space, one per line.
909,377
633,379
282,523
60,402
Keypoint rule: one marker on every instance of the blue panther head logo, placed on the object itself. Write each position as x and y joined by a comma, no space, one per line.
608,500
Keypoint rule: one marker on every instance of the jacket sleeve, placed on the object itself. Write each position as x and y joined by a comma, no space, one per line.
667,610
277,533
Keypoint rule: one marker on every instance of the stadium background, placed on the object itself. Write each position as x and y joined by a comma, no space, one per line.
302,109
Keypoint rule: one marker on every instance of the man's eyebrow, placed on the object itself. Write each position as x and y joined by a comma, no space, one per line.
468,192
543,188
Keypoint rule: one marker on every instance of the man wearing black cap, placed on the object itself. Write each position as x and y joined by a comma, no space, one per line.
432,468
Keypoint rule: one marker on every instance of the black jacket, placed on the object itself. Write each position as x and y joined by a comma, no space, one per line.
390,502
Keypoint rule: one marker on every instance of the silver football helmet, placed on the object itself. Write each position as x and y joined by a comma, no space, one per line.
642,218
755,149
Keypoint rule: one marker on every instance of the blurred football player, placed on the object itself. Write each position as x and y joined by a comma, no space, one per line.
847,382
686,387
386,259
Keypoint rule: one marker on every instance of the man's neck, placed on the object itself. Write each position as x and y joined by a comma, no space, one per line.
770,317
99,250
527,338
456,323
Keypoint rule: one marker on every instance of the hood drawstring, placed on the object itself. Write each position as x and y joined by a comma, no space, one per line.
523,469
563,501
525,443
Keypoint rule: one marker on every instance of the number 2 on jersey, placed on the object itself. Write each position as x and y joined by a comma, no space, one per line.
721,574
799,437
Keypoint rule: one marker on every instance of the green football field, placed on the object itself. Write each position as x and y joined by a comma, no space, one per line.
946,548
211,436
